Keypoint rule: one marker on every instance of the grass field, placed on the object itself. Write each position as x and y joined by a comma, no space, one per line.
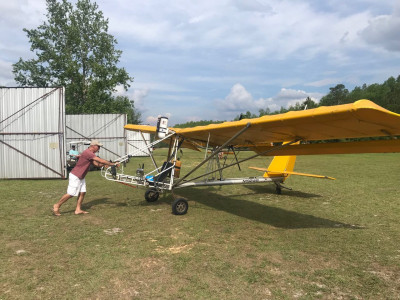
322,240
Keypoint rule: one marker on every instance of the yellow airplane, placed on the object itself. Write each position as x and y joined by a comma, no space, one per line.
276,135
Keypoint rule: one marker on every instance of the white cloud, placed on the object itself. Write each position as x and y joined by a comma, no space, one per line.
239,100
247,28
139,96
160,87
120,90
260,6
384,31
6,78
151,120
22,12
324,82
14,16
288,97
184,53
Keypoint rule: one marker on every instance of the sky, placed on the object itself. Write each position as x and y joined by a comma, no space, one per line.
212,60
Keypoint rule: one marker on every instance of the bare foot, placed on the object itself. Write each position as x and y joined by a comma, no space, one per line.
55,210
81,212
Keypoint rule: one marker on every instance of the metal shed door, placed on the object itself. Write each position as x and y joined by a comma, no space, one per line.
32,126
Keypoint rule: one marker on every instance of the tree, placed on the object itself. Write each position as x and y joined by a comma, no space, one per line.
337,95
74,50
263,112
247,115
122,104
309,104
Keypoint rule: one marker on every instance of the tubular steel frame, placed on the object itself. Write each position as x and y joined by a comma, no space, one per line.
175,144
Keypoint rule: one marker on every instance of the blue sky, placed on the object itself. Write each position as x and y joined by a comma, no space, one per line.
196,60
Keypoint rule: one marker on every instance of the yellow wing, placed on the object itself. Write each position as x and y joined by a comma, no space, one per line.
360,119
142,128
152,130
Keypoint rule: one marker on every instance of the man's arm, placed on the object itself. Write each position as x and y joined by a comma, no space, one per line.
102,162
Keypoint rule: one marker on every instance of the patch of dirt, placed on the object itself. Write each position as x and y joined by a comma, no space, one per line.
113,231
175,249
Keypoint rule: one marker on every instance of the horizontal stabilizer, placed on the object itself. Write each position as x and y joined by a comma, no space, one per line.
291,173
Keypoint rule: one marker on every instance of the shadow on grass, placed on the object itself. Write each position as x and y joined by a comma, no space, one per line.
258,189
103,201
274,216
96,202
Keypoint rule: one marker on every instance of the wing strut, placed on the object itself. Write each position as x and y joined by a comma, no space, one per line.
148,150
236,163
214,153
139,150
234,153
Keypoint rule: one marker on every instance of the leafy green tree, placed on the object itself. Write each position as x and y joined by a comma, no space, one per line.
263,112
124,105
309,104
73,49
306,104
247,115
337,95
392,98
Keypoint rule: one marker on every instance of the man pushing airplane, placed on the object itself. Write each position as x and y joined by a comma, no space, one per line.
77,183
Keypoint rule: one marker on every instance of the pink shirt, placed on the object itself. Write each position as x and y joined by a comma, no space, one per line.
83,164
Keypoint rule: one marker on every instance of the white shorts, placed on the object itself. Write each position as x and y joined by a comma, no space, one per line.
76,185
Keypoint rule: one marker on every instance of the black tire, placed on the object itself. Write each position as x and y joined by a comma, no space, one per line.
151,195
114,172
180,206
278,190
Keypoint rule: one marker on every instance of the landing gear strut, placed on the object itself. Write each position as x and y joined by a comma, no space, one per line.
278,189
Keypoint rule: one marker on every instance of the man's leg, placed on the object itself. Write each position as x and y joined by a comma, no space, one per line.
56,207
78,209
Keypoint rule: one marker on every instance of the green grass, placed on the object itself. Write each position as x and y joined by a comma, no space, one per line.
322,240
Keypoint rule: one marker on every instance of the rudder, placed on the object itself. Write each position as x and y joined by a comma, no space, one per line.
281,164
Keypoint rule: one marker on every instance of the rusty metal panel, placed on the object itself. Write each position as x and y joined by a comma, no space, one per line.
135,142
32,127
107,128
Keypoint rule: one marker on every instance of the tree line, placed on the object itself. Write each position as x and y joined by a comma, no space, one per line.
386,95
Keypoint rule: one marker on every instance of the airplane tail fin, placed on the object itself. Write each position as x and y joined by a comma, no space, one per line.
281,165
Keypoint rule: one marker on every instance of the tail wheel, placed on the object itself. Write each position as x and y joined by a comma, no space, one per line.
278,189
180,206
151,195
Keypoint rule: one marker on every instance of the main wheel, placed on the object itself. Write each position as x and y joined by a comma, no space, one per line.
151,195
180,206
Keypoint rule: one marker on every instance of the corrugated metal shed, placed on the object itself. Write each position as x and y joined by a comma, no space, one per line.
32,126
107,128
135,142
